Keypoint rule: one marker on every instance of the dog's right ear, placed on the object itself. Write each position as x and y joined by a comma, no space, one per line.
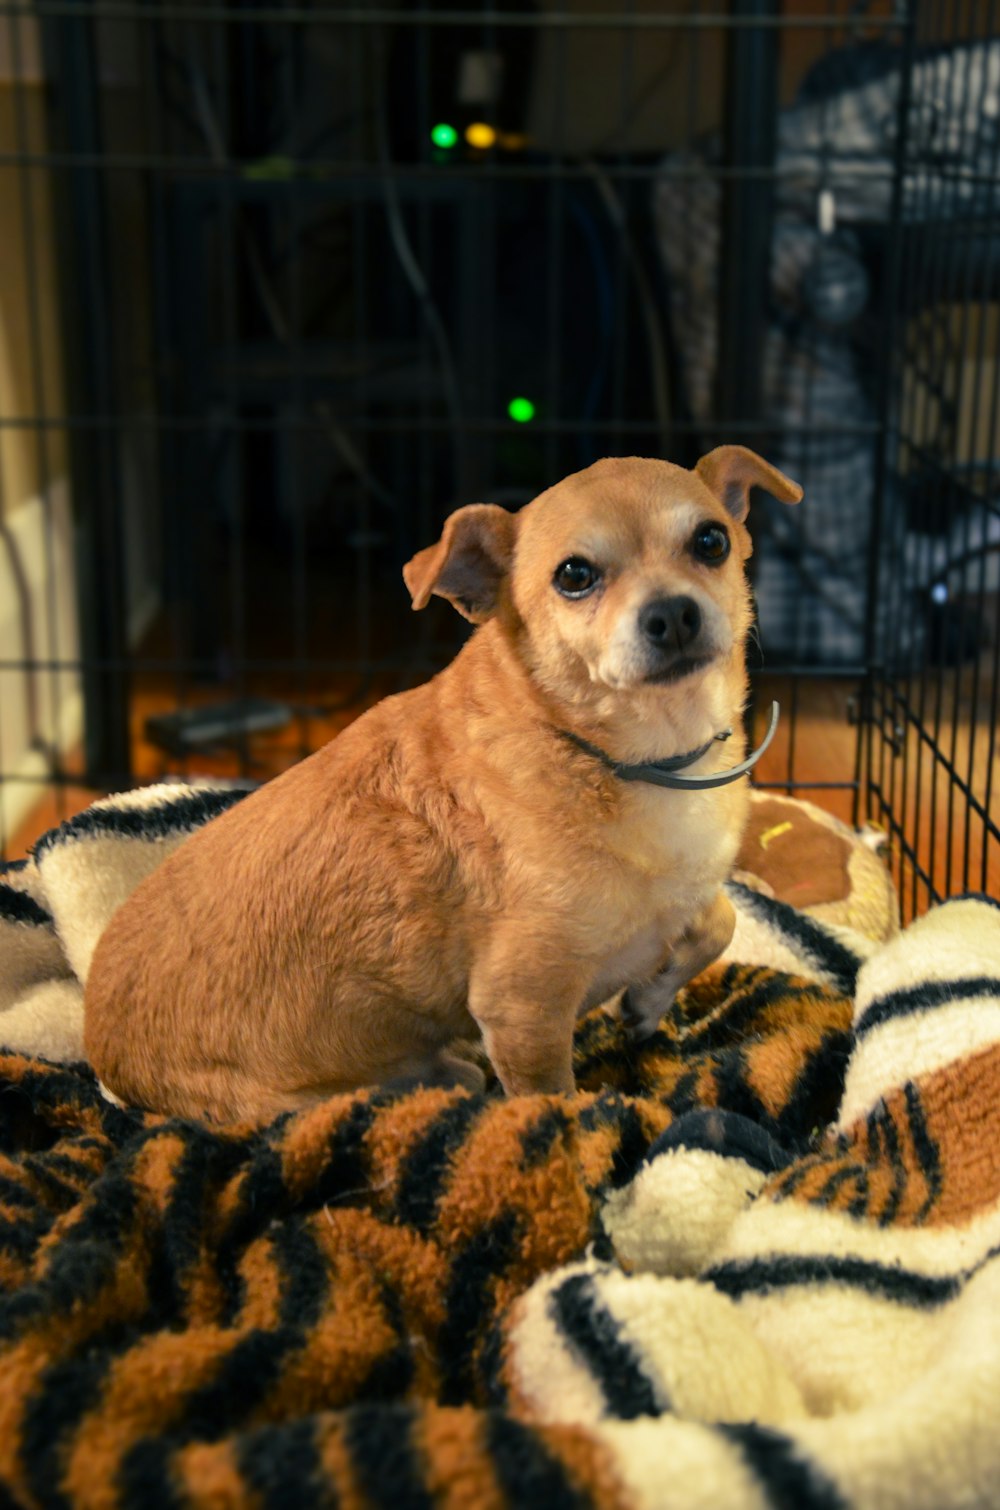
468,564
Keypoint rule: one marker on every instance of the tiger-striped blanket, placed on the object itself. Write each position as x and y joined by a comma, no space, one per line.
752,1264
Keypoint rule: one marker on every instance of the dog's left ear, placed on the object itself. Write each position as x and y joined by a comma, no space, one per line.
731,471
468,564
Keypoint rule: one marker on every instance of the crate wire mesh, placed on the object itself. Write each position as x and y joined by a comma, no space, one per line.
932,751
275,309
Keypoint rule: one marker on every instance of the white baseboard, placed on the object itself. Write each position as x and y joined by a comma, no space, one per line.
40,709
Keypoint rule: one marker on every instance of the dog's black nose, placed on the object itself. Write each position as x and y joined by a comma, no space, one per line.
671,623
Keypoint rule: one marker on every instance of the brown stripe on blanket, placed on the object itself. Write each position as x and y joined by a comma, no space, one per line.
705,1091
556,1466
713,997
413,1266
229,1200
666,1072
599,1146
143,1395
23,1367
491,1174
343,1488
261,1287
411,1274
460,1471
326,1150
589,1467
155,1168
13,1270
454,1458
401,1125
961,1109
929,1153
371,1338
203,1475
775,1063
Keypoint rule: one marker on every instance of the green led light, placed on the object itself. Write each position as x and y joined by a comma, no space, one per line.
443,135
521,409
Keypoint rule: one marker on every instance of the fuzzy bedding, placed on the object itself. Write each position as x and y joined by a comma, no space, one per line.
753,1264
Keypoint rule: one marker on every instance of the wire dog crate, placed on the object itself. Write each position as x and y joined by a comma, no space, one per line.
283,283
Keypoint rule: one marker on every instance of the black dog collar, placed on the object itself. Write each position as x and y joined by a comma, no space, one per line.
664,772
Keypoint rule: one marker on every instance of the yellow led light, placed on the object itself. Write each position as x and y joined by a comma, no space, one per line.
478,134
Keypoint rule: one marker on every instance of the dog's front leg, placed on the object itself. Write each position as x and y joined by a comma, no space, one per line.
525,993
643,1006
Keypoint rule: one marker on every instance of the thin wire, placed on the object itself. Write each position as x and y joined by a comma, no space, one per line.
250,170
297,15
409,264
280,326
651,317
390,426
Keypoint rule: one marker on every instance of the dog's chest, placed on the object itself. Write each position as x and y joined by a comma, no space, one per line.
669,841
673,852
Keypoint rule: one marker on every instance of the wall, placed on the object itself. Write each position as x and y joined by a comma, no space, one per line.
669,82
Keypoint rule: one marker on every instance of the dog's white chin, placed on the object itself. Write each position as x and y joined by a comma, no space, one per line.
634,678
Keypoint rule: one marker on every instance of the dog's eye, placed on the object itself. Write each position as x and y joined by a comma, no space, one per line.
711,544
576,577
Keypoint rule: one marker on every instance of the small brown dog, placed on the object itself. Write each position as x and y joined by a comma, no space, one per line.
476,855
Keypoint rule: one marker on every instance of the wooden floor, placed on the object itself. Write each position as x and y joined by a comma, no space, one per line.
815,749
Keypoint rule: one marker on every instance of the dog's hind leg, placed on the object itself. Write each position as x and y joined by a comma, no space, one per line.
643,1006
445,1068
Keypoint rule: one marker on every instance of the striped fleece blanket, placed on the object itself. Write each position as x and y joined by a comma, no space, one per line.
752,1264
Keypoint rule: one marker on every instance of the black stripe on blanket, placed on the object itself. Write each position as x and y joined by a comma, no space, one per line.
171,816
925,997
927,1152
527,1472
424,1170
596,1336
838,963
18,907
281,1464
758,1276
724,1133
788,1482
59,1399
475,1268
385,1458
144,1480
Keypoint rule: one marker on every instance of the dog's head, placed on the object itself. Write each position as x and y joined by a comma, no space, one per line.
628,575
